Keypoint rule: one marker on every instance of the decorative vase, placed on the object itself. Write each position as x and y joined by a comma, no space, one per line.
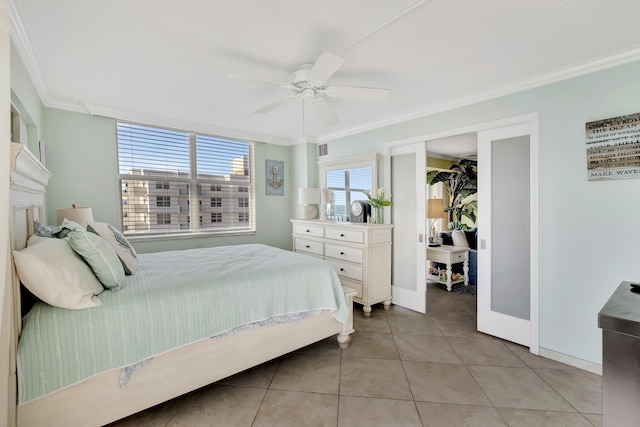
376,217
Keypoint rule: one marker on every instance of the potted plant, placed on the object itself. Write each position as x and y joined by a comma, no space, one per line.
377,202
461,183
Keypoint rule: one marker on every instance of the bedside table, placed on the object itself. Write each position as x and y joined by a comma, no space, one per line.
450,255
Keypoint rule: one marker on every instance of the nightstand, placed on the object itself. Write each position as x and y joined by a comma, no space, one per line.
449,255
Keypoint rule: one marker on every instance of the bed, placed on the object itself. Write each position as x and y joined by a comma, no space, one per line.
225,332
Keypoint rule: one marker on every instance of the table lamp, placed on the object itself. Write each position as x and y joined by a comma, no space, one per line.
309,197
79,214
435,210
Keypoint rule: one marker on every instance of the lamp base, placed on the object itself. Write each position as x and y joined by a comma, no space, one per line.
309,212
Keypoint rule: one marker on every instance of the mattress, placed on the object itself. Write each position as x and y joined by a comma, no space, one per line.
175,298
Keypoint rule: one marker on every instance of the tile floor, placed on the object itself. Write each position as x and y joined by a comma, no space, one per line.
402,369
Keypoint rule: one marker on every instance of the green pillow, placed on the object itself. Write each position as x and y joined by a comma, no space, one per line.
118,242
100,256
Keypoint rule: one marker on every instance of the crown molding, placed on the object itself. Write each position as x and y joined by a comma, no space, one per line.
21,38
605,62
22,41
152,119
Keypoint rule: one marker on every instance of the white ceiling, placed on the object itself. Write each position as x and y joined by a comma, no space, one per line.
166,62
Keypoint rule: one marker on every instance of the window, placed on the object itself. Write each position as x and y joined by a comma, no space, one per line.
347,180
171,175
163,201
163,218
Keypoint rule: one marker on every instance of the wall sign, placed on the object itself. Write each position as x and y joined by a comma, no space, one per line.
275,178
613,148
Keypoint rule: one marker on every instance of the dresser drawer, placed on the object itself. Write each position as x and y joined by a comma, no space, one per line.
354,236
459,257
310,246
437,256
350,271
344,253
309,230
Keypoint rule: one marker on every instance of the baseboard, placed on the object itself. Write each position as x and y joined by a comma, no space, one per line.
572,361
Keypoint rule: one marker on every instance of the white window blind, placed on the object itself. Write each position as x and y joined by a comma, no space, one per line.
168,177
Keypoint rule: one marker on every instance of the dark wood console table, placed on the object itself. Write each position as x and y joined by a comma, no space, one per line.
619,320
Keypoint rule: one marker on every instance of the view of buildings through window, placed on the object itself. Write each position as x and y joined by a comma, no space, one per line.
168,177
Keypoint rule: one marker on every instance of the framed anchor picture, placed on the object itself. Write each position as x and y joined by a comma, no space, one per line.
275,178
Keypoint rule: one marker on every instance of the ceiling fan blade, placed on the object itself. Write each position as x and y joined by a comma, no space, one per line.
274,105
325,112
325,66
257,79
368,93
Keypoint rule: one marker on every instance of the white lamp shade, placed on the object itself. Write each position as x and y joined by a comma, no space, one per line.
308,196
81,215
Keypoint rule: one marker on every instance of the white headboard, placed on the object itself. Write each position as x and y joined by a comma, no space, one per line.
28,181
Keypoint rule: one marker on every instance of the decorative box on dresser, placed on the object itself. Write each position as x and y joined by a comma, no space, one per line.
360,254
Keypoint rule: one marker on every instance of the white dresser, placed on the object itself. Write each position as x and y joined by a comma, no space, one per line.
360,254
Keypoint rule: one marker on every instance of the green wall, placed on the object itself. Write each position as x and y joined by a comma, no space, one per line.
25,98
83,161
588,231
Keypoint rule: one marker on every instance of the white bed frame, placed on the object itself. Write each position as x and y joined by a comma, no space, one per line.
99,400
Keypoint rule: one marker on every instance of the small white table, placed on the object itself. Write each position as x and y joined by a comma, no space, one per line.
450,255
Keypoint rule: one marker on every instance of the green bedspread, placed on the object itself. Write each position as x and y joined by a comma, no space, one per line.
175,298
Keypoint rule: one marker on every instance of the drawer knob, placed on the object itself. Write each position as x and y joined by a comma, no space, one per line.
308,231
308,246
341,234
341,253
342,269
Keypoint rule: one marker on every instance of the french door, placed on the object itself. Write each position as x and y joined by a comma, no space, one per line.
407,165
507,234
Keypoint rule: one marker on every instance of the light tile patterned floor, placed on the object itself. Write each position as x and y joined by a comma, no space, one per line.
402,369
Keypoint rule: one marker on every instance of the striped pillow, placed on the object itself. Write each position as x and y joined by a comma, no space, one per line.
118,242
100,256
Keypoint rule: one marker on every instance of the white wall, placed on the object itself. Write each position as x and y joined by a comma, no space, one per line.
588,231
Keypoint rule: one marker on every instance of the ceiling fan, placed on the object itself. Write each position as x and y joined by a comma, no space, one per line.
310,81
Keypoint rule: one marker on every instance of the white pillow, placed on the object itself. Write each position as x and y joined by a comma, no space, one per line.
53,272
35,239
459,239
99,255
118,242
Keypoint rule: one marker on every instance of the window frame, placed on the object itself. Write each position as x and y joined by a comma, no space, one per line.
193,182
368,160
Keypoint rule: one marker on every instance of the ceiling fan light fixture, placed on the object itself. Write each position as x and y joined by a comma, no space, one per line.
310,80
